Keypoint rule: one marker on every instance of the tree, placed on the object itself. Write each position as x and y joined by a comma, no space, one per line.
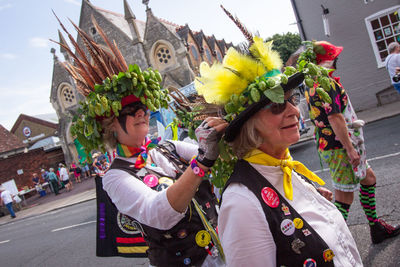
285,44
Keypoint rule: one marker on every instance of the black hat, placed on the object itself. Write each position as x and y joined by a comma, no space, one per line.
236,124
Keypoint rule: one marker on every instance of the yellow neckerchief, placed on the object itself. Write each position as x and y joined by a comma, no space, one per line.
287,165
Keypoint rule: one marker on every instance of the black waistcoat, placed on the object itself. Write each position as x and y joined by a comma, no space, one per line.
176,246
302,247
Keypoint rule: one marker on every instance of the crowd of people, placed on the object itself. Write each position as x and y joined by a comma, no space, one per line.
65,177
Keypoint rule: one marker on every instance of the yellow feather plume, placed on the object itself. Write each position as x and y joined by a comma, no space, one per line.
263,51
247,67
218,83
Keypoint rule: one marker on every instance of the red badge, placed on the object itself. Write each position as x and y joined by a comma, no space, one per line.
310,263
270,197
150,180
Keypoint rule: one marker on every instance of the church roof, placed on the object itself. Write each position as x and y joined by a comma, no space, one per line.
183,32
23,117
119,21
8,140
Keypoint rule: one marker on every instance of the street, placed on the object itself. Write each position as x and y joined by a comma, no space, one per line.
66,236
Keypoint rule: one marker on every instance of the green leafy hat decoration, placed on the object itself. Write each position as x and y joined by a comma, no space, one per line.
108,83
246,80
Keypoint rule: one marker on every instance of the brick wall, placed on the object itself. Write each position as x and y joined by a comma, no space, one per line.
30,162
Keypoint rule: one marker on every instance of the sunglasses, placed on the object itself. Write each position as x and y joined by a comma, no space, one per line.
278,108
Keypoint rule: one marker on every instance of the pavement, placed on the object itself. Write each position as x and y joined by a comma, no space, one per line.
36,205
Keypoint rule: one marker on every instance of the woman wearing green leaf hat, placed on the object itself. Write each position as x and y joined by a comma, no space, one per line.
271,214
149,203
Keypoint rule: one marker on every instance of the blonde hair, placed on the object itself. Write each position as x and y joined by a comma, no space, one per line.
109,138
247,139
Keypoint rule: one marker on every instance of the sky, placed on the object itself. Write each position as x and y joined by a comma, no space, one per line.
26,64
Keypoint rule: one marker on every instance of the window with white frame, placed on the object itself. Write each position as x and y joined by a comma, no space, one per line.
383,28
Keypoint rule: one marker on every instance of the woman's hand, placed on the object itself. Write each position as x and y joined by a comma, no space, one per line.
325,192
208,135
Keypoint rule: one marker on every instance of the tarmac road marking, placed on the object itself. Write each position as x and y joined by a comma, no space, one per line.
5,241
72,226
371,159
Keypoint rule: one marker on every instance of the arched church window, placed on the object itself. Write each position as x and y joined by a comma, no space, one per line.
209,58
219,57
193,50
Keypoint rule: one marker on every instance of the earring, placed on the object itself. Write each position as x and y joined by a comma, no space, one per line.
115,134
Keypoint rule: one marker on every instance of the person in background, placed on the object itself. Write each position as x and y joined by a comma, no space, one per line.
6,198
392,63
104,165
45,177
340,143
77,172
35,179
96,165
55,183
86,169
64,177
36,182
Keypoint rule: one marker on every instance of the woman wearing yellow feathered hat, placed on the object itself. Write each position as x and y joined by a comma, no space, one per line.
271,214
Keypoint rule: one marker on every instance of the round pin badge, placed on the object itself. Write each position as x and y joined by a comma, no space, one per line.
309,263
270,197
187,261
287,227
203,238
161,187
150,180
182,233
165,180
298,223
328,255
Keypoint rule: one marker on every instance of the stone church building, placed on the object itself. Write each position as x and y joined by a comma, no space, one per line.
176,51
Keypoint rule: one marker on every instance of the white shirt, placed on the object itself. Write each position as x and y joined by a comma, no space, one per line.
64,174
392,61
134,198
6,196
244,230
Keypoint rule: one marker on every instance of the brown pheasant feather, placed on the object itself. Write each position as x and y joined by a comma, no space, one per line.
241,27
105,63
82,55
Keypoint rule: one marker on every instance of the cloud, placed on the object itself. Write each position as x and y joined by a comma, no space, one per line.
8,56
39,42
74,2
24,97
2,7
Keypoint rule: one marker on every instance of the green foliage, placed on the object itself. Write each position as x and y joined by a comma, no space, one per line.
285,44
105,102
